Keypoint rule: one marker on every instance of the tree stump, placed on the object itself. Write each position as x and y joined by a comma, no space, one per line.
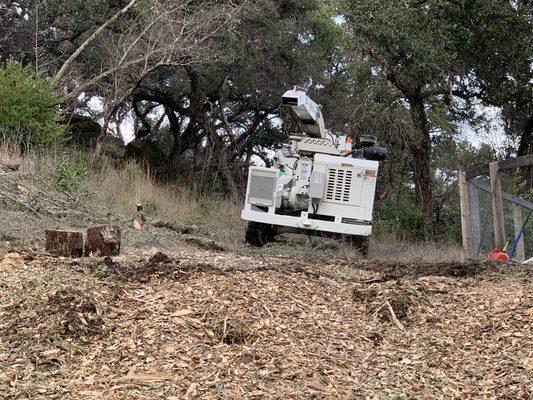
103,241
64,243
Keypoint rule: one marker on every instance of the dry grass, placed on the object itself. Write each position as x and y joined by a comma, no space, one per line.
112,188
116,188
388,247
11,153
120,188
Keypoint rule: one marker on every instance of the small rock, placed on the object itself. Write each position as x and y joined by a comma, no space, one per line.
136,224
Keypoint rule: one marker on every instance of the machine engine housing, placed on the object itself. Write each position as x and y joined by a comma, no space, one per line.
314,187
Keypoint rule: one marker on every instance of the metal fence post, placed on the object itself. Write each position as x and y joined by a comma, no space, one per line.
520,253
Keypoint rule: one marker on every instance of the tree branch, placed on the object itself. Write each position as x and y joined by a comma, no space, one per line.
89,40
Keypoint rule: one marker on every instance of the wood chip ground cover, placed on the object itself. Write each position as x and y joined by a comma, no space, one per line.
210,325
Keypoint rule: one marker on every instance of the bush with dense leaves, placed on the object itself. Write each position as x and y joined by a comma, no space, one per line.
69,174
29,106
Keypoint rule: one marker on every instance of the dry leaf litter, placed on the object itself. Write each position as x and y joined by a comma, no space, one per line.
209,325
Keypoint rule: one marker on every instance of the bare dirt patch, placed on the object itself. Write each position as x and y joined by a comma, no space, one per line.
396,270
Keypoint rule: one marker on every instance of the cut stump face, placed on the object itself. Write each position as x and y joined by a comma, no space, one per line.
103,241
64,243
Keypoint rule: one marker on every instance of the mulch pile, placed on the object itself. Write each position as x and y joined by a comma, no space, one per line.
395,301
214,325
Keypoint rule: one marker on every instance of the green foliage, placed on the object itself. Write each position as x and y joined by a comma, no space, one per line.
69,174
398,214
448,220
518,184
269,136
28,105
406,39
101,271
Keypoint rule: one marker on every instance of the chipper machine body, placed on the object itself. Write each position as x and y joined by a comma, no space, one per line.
315,187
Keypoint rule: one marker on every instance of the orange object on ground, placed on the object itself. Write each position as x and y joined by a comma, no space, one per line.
499,255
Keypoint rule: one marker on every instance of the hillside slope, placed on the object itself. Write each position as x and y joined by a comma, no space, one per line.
169,320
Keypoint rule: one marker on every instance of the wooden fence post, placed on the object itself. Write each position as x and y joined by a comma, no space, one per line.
497,205
465,212
520,252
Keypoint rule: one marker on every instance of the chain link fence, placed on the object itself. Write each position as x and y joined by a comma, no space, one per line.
516,217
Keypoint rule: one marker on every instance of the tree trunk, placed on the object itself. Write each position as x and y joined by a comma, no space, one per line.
526,140
64,243
199,106
420,163
103,241
525,147
224,169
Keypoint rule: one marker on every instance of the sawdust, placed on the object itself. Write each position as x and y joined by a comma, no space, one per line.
231,329
75,314
395,301
214,325
11,261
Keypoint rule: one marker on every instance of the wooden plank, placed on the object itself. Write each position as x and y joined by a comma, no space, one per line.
510,163
520,252
465,212
64,243
497,205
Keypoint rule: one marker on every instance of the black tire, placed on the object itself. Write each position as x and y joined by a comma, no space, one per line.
258,234
359,243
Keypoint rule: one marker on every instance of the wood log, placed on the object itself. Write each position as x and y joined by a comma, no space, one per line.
174,226
64,243
103,241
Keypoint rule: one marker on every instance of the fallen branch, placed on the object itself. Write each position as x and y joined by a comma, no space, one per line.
173,226
393,317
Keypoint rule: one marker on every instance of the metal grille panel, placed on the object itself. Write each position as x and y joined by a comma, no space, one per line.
319,142
339,185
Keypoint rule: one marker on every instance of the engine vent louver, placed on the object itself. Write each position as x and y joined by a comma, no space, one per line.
318,142
339,185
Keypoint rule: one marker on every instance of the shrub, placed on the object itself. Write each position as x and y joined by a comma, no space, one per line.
28,105
102,271
69,175
398,214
